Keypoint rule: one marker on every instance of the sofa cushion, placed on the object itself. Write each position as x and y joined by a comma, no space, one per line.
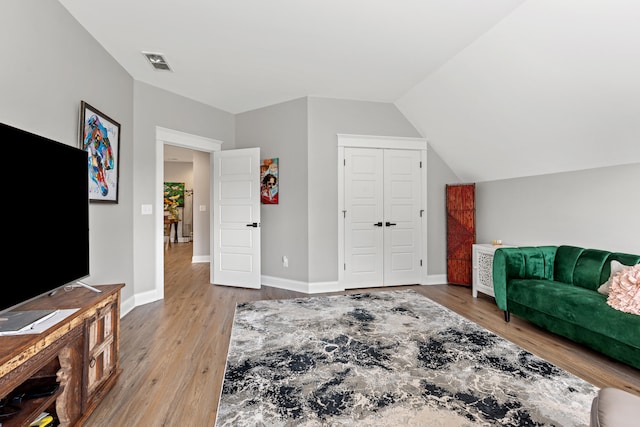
589,268
538,261
565,262
576,305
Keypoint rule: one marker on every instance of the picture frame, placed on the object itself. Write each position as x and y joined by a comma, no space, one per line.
174,194
99,136
269,181
173,199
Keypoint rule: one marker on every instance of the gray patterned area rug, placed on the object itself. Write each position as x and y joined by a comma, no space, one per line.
388,358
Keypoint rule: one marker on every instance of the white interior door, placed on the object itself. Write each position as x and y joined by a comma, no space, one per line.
236,211
382,217
402,247
363,217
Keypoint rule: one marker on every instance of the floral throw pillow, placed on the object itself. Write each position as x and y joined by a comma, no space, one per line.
616,267
624,294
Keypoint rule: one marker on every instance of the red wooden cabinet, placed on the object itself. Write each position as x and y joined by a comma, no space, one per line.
461,232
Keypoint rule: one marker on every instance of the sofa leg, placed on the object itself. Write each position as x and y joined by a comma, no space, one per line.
507,316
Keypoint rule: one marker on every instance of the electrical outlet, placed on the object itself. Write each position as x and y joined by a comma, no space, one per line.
285,261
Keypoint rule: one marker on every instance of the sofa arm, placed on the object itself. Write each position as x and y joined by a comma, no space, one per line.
508,263
524,262
613,407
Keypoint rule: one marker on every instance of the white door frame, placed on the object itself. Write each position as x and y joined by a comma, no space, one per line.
392,142
184,140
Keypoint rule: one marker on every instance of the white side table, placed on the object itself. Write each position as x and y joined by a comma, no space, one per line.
482,262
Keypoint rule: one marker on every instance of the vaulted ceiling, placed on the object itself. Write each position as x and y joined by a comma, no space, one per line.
500,88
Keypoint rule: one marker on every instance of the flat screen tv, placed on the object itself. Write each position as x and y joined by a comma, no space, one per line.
45,210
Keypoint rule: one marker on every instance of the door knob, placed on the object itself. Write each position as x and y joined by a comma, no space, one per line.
389,223
378,224
253,224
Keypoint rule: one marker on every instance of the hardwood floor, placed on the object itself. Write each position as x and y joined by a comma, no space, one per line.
173,352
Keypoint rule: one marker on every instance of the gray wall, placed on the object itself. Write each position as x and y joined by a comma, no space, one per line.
156,107
303,134
201,192
327,118
180,172
596,208
542,118
438,176
56,64
50,64
281,131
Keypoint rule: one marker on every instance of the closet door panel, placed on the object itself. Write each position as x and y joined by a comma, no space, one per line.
401,217
364,209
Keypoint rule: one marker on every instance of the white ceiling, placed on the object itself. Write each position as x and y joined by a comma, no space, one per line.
239,55
500,88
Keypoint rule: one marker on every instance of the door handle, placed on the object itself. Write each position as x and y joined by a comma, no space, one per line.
253,224
389,223
378,224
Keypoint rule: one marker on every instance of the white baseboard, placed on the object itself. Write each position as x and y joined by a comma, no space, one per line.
322,287
275,282
325,287
200,258
127,305
436,279
146,297
136,300
300,286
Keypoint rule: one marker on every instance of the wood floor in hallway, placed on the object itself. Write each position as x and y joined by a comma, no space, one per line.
173,352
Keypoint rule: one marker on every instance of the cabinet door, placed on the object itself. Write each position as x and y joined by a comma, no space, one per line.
461,232
483,270
101,349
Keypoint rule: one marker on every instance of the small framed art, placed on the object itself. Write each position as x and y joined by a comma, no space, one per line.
269,182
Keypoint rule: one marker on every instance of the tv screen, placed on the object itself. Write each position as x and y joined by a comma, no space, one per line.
45,205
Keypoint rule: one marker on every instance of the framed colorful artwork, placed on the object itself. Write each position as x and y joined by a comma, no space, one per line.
100,138
173,195
269,181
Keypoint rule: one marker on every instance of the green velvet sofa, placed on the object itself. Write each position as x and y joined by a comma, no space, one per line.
556,287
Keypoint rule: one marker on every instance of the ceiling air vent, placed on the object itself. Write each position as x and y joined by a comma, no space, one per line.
157,61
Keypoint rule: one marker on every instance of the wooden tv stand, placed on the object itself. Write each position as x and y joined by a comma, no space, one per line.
81,351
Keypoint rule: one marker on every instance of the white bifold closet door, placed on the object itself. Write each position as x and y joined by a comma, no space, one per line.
382,217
